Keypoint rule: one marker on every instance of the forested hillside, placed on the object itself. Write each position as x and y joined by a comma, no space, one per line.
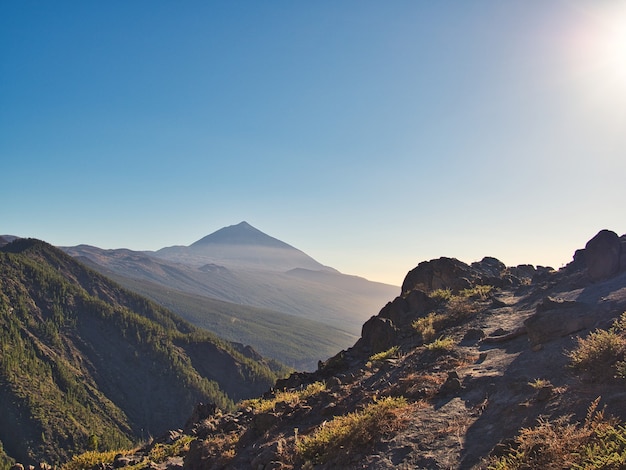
86,364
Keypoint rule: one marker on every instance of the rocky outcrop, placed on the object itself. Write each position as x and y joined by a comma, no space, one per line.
441,273
556,318
379,334
450,273
603,255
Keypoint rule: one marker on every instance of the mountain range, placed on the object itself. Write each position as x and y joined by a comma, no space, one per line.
241,284
478,366
471,367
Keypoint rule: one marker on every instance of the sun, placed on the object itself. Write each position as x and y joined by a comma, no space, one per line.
611,46
596,53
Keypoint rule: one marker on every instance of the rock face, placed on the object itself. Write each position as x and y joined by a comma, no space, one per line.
450,273
442,273
603,255
557,318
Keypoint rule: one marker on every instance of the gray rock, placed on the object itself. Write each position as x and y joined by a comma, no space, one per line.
555,319
378,334
603,255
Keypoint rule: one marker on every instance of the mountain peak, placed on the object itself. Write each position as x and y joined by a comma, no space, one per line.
240,234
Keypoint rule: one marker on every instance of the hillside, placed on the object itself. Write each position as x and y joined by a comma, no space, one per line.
294,341
471,367
85,363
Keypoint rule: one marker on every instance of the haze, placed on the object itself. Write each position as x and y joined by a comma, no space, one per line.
370,135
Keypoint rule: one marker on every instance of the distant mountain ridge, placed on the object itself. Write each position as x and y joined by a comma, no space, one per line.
241,246
240,264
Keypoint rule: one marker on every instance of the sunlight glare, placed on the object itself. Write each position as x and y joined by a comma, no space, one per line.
596,52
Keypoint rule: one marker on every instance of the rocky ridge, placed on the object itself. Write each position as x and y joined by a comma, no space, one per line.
450,370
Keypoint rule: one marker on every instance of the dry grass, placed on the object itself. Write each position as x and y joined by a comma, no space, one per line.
539,383
601,354
429,325
481,292
161,452
441,344
262,405
417,385
598,443
384,355
353,431
90,459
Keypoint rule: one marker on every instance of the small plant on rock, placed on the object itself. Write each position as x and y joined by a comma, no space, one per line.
441,344
602,352
427,326
384,355
481,292
441,295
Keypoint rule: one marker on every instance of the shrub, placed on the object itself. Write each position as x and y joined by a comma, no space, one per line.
427,326
262,405
602,352
90,459
353,431
539,383
384,355
441,295
443,343
598,443
477,292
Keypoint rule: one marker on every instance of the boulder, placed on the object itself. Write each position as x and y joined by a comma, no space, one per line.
201,412
557,318
403,310
441,273
378,334
603,255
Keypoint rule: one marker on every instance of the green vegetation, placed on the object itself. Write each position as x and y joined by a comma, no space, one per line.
5,461
430,325
384,355
158,453
354,431
480,292
602,353
598,443
452,309
441,344
60,322
262,405
289,339
539,383
90,459
441,295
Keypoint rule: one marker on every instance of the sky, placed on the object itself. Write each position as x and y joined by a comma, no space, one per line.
371,135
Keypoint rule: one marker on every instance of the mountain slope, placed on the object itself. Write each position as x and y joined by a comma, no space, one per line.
241,246
83,360
295,341
471,367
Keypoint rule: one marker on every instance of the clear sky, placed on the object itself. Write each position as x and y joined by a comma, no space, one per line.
370,134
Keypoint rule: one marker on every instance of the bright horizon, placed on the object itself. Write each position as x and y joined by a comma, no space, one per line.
372,136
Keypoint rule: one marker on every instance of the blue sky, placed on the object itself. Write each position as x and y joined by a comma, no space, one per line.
371,135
